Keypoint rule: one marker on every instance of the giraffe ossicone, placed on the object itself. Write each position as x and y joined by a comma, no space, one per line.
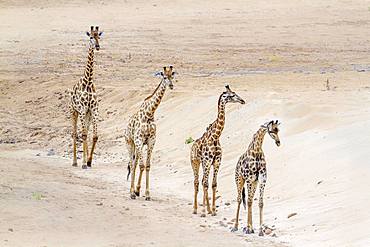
206,151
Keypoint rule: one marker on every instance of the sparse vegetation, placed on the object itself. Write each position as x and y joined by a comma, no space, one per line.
37,196
189,140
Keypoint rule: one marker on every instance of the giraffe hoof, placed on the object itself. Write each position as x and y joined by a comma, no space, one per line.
147,198
261,234
234,229
133,196
246,230
89,164
84,167
74,164
214,213
194,211
137,193
203,215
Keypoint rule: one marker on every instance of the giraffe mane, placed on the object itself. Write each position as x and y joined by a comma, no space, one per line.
153,92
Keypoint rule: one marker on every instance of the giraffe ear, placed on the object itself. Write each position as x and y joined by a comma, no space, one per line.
88,34
100,34
159,73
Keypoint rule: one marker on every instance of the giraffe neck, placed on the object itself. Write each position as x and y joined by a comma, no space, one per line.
88,76
152,102
220,121
258,138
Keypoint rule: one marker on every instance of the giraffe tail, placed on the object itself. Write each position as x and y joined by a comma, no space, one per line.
128,171
243,198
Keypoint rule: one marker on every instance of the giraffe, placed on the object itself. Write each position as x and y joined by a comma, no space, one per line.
207,151
84,104
251,168
141,131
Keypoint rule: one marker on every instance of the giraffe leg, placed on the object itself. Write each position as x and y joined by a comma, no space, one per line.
240,185
138,186
95,137
131,152
84,139
151,143
216,167
139,160
74,136
206,168
195,165
260,204
251,190
133,170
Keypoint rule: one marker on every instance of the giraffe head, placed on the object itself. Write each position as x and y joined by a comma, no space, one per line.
231,96
272,128
94,36
167,75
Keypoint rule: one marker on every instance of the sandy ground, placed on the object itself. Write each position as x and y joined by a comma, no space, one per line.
277,55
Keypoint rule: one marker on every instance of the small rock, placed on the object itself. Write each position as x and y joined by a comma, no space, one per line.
51,152
291,215
320,182
274,235
99,204
227,203
38,154
10,230
203,226
267,231
127,209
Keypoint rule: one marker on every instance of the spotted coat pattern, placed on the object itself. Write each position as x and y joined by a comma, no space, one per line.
251,169
83,103
207,151
141,131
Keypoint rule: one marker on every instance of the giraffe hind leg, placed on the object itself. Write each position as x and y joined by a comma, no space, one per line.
251,190
240,187
195,165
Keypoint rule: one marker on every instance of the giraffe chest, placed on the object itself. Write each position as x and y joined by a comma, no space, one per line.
82,100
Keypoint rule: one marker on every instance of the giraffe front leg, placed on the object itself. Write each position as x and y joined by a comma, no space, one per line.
206,169
95,138
251,190
151,143
84,140
240,187
260,204
216,167
74,136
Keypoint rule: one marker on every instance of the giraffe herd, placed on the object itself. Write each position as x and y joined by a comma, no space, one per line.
206,152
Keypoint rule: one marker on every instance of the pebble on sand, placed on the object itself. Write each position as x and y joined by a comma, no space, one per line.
291,215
